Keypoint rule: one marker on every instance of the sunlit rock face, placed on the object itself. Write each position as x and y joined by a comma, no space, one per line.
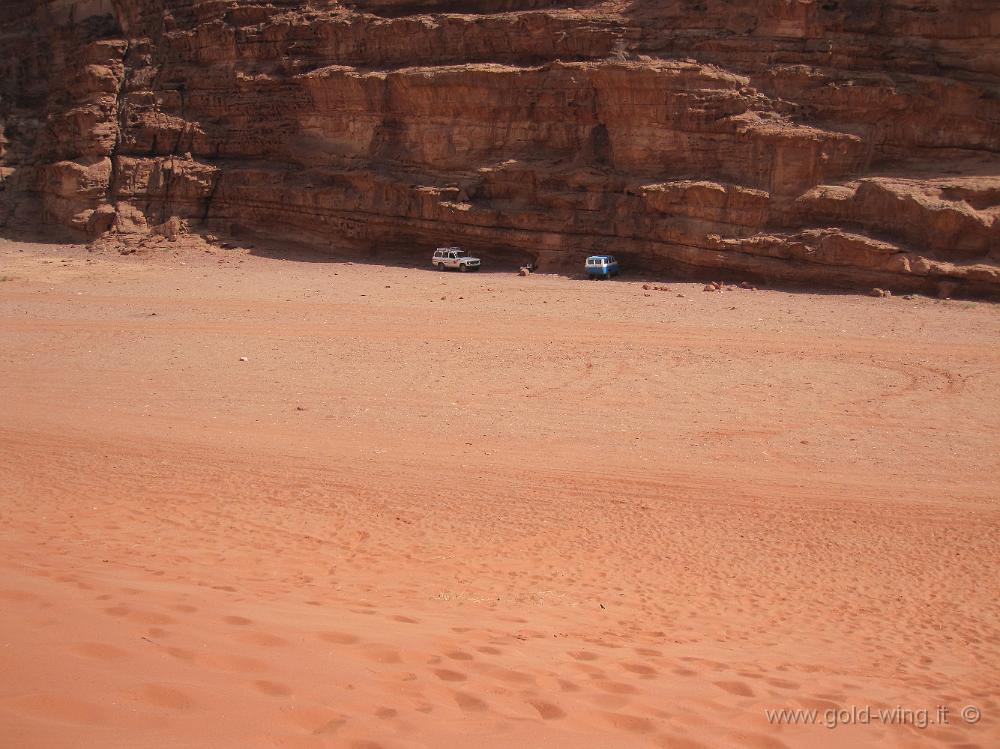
838,142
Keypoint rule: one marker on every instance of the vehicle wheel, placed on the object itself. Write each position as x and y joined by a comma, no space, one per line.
440,266
463,268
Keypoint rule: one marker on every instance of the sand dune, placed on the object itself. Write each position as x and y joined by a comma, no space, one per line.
491,511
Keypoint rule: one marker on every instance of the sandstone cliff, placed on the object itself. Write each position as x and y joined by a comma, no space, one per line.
836,142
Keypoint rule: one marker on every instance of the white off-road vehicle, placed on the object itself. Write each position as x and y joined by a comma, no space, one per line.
454,257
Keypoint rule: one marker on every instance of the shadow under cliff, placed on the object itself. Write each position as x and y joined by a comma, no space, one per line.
636,268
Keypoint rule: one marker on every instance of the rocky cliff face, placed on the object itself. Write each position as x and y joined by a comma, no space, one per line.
838,142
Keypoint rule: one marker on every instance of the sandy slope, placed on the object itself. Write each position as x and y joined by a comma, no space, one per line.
484,510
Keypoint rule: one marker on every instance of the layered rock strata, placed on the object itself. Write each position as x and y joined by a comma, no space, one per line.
834,142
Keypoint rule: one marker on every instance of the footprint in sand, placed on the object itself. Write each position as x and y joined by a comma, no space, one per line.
99,651
470,703
316,719
446,674
181,654
759,741
143,617
338,638
159,695
629,723
381,653
735,687
645,672
783,683
151,617
546,710
235,663
681,742
818,704
568,686
272,688
261,638
513,619
613,687
508,675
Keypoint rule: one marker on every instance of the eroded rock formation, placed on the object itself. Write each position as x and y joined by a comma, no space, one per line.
836,142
